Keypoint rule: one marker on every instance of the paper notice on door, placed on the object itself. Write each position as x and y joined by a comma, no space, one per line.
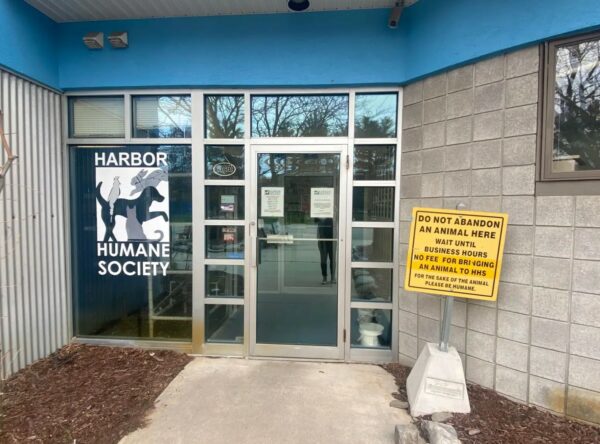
321,202
271,202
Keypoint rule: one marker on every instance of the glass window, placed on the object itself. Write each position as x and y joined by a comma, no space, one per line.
224,202
181,247
372,244
224,117
373,162
372,284
224,162
575,109
97,117
225,242
225,323
371,328
375,115
224,281
373,204
300,116
162,116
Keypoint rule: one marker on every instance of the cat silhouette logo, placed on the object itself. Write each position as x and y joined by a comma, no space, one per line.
132,204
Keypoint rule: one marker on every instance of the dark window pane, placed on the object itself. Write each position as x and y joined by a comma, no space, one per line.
181,247
225,242
224,162
162,116
224,281
577,108
372,284
224,117
375,115
224,202
225,323
300,116
373,204
371,328
375,162
372,244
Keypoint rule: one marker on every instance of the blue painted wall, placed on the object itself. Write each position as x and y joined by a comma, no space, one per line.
28,42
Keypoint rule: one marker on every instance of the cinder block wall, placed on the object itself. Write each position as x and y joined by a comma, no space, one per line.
469,135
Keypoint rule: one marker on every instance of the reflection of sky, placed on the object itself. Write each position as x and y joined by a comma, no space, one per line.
375,106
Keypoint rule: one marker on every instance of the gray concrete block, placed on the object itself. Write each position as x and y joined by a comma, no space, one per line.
459,104
406,207
407,361
480,345
547,394
489,97
452,202
513,326
434,134
520,209
583,404
433,160
548,364
412,139
583,372
432,185
492,204
434,86
460,78
587,211
487,153
459,313
411,163
407,300
412,115
522,90
407,322
519,239
518,180
458,338
550,303
457,183
519,150
432,202
459,130
516,269
410,186
586,276
412,93
585,309
487,182
515,297
429,305
524,61
552,272
429,329
585,341
480,372
512,354
434,110
487,125
555,210
481,319
404,232
520,121
587,243
407,345
512,383
549,334
554,241
489,70
458,157
402,252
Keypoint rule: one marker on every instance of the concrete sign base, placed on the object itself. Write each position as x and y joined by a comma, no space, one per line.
437,383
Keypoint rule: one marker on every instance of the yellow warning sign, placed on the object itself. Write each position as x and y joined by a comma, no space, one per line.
455,253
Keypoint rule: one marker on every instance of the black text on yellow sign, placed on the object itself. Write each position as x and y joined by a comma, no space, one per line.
455,253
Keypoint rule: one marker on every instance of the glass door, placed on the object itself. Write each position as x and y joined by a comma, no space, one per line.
297,239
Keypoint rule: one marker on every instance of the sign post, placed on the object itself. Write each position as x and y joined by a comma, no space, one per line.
452,253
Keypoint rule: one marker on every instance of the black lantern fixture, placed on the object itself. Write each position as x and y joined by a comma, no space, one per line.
298,5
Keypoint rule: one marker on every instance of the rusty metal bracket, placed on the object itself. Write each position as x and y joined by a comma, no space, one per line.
10,157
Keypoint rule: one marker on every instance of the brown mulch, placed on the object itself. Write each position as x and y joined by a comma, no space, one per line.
498,420
87,394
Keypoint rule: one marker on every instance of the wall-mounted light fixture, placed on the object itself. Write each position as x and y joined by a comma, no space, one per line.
298,5
395,14
94,40
118,39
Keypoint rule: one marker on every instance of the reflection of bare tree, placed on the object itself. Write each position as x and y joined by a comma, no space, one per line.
577,104
225,117
164,116
300,116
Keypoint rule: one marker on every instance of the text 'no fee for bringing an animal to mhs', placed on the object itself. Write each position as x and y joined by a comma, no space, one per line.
455,253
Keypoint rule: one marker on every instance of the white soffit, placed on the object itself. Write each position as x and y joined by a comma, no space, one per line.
89,10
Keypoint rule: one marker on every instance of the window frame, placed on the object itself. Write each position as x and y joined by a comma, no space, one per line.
582,181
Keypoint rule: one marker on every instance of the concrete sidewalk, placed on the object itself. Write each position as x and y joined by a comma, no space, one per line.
215,401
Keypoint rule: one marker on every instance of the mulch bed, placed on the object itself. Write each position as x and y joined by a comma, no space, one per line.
85,394
495,419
